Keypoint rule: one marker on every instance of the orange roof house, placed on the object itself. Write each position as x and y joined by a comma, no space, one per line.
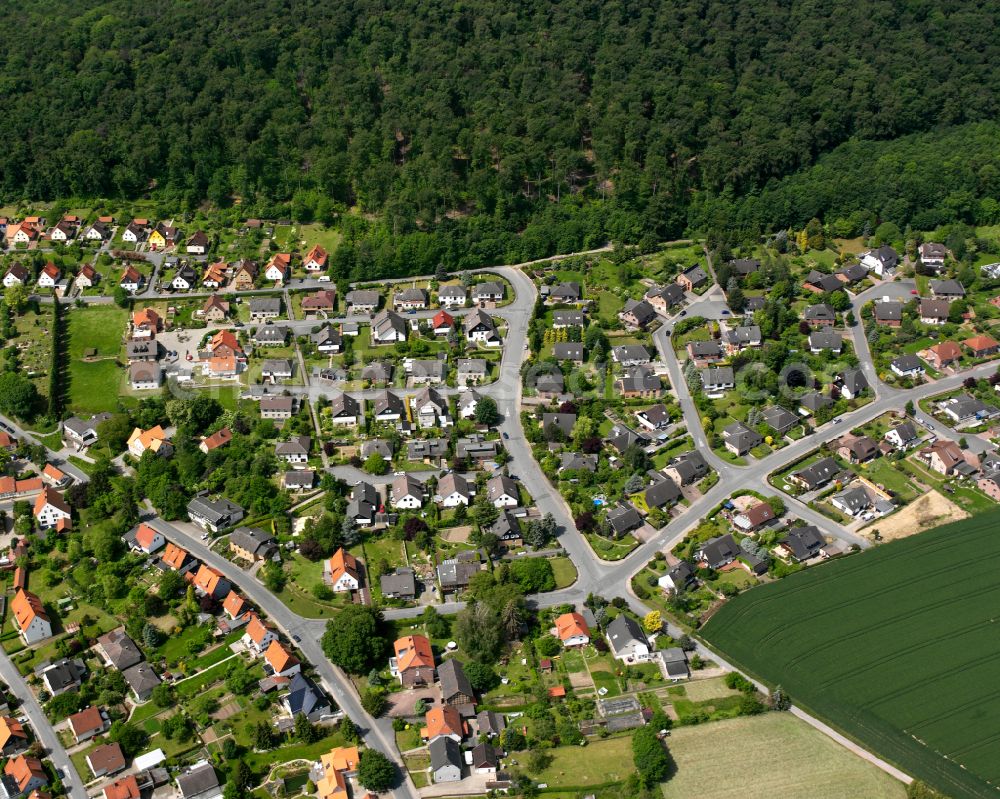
557,692
332,785
20,578
27,772
11,733
442,319
125,788
280,659
315,259
153,440
174,557
443,721
414,660
342,571
223,343
210,581
258,633
572,629
7,441
50,508
147,319
86,724
981,346
341,758
218,439
54,474
942,354
234,605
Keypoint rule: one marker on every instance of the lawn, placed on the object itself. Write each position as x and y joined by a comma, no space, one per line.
775,754
598,763
607,549
920,614
94,385
564,571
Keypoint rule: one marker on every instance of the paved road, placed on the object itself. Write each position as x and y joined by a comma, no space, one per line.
43,729
55,457
377,733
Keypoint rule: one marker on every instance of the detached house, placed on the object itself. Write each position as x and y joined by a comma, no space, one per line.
479,327
197,243
947,289
131,280
214,514
341,572
49,277
16,275
362,301
889,314
452,296
825,339
572,630
740,439
934,312
821,315
692,278
279,268
30,619
942,355
413,662
295,450
627,640
388,328
932,254
411,299
315,260
852,383
51,510
152,440
882,261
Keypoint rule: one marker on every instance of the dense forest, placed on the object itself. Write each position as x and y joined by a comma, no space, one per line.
504,128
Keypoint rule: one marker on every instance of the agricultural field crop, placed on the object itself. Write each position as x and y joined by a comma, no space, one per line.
898,647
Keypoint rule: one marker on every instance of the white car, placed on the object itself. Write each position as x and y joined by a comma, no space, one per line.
324,278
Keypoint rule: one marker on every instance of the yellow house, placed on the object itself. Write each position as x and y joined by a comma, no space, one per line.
157,240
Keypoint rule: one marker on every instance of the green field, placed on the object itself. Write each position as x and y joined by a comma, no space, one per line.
775,754
898,648
94,385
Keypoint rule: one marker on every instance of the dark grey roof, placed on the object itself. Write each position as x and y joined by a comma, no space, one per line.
719,551
819,473
265,305
198,780
888,311
566,318
305,697
947,288
641,310
426,448
490,722
363,297
705,349
854,380
823,281
454,573
120,649
624,518
621,437
484,756
778,418
63,674
631,352
695,274
577,460
560,421
623,631
854,499
662,493
819,313
401,582
814,401
299,478
567,351
476,447
388,402
141,679
213,510
454,683
825,339
254,541
377,371
690,466
444,752
718,376
804,542
269,334
569,291
907,363
744,266
741,436
506,527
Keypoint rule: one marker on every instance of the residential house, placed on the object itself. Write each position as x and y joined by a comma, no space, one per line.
364,504
941,355
298,480
903,436
638,382
692,278
413,661
857,449
258,635
388,407
576,461
820,315
717,379
852,273
400,584
430,409
490,723
964,408
86,278
754,517
907,366
889,314
277,407
214,514
295,450
446,760
51,510
16,275
315,260
145,376
934,312
13,738
471,370
479,327
485,759
487,293
718,552
49,277
264,308
98,231
567,319
801,543
568,351
136,231
548,383
456,690
743,266
502,492
62,675
279,268
341,572
853,501
737,339
210,582
176,559
636,314
426,370
388,328
280,662
118,650
822,283
507,529
30,618
947,289
627,640
655,417
812,402
623,519
852,383
453,296
815,475
306,698
882,261
23,775
443,323
145,539
688,468
141,680
411,299
663,298
932,254
455,573
778,419
319,302
558,424
215,275
945,457
566,293
216,440
407,492
704,353
344,409
677,578
427,450
631,355
215,309
131,279
327,340
453,490
981,346
362,301
245,275
234,605
106,759
199,782
377,372
275,370
253,545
